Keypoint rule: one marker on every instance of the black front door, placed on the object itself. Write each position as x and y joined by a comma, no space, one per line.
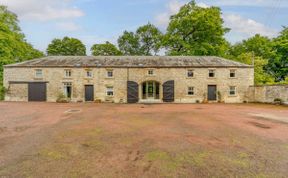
89,93
132,92
37,91
212,92
168,91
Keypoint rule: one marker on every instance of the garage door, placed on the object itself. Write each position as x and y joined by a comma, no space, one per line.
37,92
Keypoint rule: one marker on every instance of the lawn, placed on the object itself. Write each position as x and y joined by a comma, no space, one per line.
165,140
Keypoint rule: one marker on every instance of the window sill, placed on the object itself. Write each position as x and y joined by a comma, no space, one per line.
67,78
190,77
211,77
232,96
109,78
36,78
109,96
190,95
232,78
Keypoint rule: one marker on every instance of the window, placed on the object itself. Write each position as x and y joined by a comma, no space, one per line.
211,73
232,73
232,91
67,89
109,91
110,73
89,73
190,73
38,73
68,73
150,72
190,91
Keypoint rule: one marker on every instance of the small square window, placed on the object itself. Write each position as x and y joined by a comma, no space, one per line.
68,73
191,91
89,74
109,91
232,73
150,72
190,73
232,91
110,73
38,73
211,73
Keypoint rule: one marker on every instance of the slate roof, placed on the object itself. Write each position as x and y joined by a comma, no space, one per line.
130,62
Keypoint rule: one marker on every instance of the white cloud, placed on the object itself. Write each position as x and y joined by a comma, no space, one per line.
43,10
258,3
163,18
68,26
248,27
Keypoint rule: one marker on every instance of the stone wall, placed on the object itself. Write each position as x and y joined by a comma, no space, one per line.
267,94
200,81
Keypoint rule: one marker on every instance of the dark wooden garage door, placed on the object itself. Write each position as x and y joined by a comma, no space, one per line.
168,91
36,91
89,93
132,92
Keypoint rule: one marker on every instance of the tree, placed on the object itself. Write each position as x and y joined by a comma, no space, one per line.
259,45
278,64
146,41
196,31
260,75
66,47
129,44
13,46
150,39
106,49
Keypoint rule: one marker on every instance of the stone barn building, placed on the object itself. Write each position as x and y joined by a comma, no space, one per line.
129,79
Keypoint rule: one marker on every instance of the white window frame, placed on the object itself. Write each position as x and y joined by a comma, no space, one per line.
109,91
192,90
188,72
232,71
87,73
65,85
233,90
67,71
38,75
110,71
214,72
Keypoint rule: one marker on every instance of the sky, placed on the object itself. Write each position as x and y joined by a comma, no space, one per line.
97,21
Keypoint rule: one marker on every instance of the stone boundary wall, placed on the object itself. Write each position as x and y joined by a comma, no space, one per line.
268,93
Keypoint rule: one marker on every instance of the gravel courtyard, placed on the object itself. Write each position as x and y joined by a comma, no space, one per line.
164,140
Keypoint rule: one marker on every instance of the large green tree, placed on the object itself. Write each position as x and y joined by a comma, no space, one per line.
278,64
259,45
146,41
196,30
13,46
150,39
129,44
106,49
66,47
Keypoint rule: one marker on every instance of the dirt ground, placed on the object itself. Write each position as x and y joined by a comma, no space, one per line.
164,140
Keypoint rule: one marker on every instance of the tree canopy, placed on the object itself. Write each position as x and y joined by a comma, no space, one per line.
196,30
13,46
66,47
107,49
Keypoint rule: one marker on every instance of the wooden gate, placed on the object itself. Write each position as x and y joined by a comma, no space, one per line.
132,92
168,91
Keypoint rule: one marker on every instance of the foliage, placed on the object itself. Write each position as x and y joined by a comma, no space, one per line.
150,39
146,41
278,64
260,75
259,45
129,44
106,49
66,47
13,46
196,31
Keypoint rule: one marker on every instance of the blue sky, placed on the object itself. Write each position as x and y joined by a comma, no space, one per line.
97,21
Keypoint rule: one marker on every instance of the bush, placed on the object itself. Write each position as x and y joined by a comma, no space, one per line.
62,98
278,101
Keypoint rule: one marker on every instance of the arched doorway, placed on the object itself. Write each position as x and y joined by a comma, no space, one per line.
150,90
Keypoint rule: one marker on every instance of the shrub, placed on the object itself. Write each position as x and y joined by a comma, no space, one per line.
62,98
